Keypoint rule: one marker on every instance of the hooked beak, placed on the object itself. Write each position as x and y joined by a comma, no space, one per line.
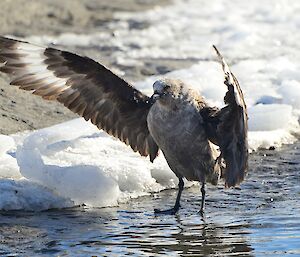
156,95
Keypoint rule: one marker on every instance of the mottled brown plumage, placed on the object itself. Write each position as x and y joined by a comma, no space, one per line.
175,119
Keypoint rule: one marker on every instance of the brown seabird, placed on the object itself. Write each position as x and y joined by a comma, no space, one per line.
176,119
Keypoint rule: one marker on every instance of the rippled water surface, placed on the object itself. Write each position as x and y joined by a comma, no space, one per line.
259,219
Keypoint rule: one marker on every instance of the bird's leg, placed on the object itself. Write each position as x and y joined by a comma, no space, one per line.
203,198
177,203
180,189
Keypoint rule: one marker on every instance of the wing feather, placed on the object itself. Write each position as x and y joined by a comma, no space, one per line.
228,128
233,129
84,86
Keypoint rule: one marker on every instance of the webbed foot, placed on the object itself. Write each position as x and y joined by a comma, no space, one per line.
171,211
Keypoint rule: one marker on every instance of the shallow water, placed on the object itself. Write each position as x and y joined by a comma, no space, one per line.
259,219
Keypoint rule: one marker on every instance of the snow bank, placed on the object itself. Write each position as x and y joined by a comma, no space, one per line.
74,163
9,167
22,194
18,193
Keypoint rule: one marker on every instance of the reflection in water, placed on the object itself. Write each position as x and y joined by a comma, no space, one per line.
261,218
106,231
174,235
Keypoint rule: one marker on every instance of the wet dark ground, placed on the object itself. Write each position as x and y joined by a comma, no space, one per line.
262,218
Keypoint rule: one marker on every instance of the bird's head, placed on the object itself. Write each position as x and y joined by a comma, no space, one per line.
167,89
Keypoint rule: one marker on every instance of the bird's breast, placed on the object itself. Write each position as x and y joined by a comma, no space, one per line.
177,130
181,136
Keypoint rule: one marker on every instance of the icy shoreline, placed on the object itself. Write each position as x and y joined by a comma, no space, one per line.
74,163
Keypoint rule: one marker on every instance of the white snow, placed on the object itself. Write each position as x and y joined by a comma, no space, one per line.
74,163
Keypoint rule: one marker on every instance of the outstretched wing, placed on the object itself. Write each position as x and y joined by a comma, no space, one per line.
84,86
228,128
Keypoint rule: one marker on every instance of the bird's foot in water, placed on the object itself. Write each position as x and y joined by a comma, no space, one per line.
171,211
201,212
